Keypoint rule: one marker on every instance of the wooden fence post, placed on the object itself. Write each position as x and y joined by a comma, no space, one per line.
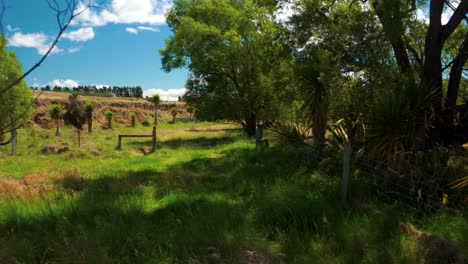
119,145
154,139
346,173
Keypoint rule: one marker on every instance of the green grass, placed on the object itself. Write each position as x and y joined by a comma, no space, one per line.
200,199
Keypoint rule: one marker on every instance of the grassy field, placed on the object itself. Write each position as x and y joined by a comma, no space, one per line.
202,198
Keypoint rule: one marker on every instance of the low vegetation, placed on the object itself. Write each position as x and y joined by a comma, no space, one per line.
201,198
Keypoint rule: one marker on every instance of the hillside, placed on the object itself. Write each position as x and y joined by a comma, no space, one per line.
122,107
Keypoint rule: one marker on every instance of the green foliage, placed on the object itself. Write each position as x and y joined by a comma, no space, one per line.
75,112
109,115
15,103
155,99
89,109
56,111
234,52
174,111
190,109
399,119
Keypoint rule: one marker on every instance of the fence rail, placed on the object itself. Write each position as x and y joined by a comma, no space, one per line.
153,136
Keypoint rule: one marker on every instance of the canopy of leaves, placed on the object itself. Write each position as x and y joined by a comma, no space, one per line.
155,99
109,114
89,109
56,111
16,102
234,51
75,114
174,111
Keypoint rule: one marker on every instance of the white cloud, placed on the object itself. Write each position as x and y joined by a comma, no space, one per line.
150,12
132,30
39,41
80,35
422,16
64,83
136,30
73,49
152,29
166,95
100,86
446,15
12,29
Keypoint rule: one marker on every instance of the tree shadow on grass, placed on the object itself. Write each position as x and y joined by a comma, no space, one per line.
225,205
186,143
204,130
199,142
123,220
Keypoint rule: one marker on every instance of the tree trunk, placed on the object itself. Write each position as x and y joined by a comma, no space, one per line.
319,123
79,138
57,132
173,119
455,76
437,34
109,123
250,124
432,72
397,42
90,124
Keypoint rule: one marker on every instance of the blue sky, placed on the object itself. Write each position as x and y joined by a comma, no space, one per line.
117,45
113,46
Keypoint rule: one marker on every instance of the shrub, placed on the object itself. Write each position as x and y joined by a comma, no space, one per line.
109,115
56,112
190,110
174,112
89,109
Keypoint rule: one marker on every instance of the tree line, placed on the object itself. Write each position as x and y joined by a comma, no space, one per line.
370,73
134,92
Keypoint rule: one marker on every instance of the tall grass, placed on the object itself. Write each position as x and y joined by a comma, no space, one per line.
202,198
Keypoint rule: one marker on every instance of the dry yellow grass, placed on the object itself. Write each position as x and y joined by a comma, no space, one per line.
122,108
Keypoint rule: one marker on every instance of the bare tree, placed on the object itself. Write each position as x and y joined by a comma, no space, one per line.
65,15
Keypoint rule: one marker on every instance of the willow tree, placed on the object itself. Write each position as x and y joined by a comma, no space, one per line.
235,55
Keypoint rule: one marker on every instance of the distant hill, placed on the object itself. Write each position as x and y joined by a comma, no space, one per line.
122,107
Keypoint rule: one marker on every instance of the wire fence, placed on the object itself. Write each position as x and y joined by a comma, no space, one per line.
424,195
408,185
421,193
